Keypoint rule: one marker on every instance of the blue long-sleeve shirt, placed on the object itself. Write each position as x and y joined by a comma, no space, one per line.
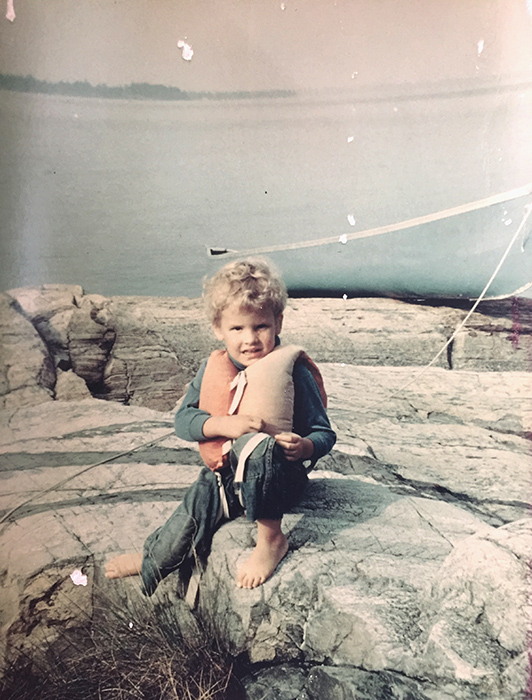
310,418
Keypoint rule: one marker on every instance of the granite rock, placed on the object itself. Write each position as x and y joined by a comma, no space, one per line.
70,387
91,336
26,370
409,562
143,369
50,308
144,350
407,579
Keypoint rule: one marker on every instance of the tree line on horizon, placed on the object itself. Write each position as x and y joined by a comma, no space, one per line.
146,91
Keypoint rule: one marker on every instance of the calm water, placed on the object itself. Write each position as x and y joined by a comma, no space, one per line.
123,196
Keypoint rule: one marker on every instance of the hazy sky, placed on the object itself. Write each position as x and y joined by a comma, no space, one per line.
265,44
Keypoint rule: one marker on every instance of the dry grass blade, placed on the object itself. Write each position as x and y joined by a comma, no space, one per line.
124,657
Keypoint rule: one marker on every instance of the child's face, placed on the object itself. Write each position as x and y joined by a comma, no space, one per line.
248,334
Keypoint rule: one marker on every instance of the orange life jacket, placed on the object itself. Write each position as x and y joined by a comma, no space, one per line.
264,389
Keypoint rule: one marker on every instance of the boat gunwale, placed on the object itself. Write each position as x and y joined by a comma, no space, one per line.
213,251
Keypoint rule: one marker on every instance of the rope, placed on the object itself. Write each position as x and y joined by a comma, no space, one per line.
7,515
528,211
389,228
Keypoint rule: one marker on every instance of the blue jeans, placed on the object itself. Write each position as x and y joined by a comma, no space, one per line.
271,486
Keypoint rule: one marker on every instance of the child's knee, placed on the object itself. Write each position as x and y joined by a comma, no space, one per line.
240,443
261,459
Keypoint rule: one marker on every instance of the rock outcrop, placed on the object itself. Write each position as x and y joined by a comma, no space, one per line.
409,563
27,374
142,351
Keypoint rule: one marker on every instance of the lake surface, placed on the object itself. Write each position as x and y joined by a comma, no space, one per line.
123,196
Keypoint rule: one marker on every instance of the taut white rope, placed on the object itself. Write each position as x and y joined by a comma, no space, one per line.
528,211
150,443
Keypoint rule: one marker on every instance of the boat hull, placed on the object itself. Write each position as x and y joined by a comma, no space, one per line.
450,257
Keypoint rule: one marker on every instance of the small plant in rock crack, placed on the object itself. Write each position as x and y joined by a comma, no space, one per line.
119,655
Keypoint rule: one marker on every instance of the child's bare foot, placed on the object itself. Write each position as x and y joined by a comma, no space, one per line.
124,565
263,561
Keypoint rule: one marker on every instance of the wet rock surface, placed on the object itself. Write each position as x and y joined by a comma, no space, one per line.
409,563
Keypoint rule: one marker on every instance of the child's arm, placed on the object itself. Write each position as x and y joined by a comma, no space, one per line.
311,424
231,427
195,425
189,419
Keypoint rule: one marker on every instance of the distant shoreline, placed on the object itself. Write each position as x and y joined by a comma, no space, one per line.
363,94
138,91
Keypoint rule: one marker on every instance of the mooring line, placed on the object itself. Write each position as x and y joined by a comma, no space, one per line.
38,494
528,211
388,228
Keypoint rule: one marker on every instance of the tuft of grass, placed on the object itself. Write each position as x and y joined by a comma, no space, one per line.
118,656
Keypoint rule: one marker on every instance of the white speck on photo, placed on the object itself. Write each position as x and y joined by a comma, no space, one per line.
350,139
186,50
480,47
343,239
10,12
78,578
351,219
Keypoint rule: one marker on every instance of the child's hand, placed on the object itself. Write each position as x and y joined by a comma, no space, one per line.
295,447
232,427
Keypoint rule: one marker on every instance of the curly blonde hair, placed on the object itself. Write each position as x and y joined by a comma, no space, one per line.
252,283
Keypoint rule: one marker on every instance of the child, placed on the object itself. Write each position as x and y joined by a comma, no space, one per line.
257,410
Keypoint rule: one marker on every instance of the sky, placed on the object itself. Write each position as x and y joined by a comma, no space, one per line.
265,44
